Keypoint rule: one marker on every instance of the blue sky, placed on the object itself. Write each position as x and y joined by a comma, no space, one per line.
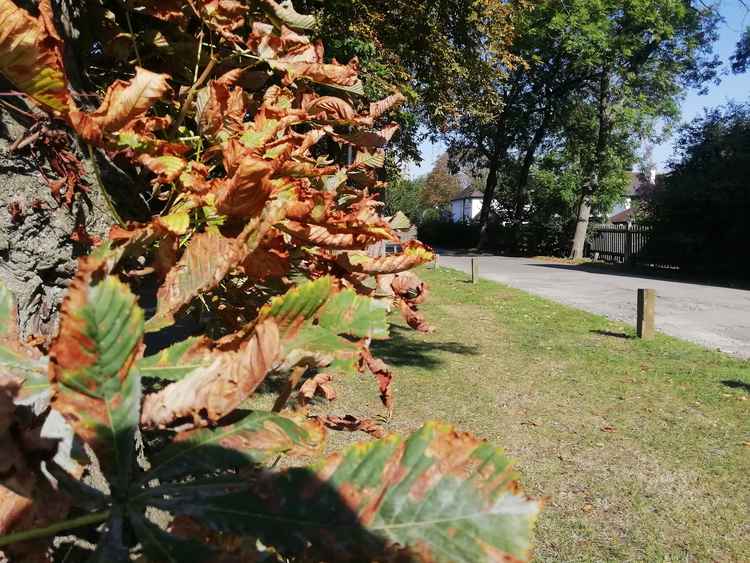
732,87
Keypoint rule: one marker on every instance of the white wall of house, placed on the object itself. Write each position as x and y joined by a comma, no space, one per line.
621,206
465,209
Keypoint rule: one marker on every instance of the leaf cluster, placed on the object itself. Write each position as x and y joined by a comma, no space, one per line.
240,130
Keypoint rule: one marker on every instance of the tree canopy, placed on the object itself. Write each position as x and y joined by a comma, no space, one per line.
596,76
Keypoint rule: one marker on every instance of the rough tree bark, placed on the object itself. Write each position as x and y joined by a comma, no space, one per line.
37,253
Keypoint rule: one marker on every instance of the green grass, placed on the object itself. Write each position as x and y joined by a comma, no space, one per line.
640,447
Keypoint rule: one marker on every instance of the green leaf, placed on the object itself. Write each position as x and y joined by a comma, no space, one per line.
349,313
439,495
300,302
323,347
100,335
7,313
177,361
256,438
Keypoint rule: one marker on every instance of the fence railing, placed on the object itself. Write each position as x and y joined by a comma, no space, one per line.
618,243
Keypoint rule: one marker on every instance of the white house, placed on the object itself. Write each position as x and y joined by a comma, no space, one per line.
624,211
466,205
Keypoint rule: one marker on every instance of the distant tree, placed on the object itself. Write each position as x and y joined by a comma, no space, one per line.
405,195
440,185
620,66
699,213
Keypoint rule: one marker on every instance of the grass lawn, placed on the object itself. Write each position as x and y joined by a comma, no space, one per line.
641,448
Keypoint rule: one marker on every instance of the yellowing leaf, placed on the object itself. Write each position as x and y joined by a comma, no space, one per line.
31,55
176,223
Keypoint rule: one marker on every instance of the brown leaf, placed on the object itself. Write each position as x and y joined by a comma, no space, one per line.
382,373
351,423
246,192
414,254
123,102
320,383
220,110
409,288
213,391
379,108
206,260
413,318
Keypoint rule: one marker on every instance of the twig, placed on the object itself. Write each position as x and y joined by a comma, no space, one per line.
52,529
21,142
16,109
105,194
132,35
190,95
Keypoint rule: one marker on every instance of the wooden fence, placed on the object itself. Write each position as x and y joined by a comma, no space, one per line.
618,243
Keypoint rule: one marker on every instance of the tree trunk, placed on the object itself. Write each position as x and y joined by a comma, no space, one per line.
489,196
582,227
523,180
592,185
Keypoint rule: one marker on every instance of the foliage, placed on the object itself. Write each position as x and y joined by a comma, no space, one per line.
440,185
699,210
587,63
741,55
237,125
405,195
445,233
430,50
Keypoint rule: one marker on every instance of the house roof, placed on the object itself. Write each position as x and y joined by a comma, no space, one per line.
467,193
622,217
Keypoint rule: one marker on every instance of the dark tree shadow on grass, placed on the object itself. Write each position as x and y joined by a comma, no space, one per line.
737,384
404,348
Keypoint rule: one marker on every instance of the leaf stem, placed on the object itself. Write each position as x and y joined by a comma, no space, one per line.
85,520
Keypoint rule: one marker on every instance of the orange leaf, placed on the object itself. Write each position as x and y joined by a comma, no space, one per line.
123,102
213,391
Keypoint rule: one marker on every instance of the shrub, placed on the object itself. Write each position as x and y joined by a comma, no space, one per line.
444,233
256,226
698,212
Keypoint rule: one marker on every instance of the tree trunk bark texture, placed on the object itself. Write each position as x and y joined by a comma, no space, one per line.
582,226
37,253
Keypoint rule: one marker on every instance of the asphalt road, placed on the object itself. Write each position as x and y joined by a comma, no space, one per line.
715,317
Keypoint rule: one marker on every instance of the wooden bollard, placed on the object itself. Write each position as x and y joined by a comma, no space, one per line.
646,309
474,270
436,262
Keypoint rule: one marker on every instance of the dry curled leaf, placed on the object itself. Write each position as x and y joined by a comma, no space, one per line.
212,391
352,423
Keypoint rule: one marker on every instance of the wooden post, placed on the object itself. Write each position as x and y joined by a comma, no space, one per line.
436,263
646,309
474,270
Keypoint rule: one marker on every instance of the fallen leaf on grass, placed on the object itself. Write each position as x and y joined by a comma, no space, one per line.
746,444
608,429
587,508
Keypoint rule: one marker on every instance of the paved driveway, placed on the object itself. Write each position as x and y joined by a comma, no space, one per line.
715,317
